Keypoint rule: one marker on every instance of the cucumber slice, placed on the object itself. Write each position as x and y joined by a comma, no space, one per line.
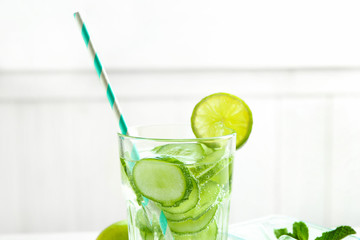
124,172
193,225
165,180
207,149
147,230
126,176
209,233
186,205
142,222
224,177
215,169
209,193
185,152
145,235
207,162
215,156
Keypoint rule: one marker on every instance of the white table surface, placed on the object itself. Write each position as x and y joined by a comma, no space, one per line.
52,236
62,236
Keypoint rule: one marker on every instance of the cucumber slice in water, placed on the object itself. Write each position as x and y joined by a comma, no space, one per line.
215,169
165,180
186,205
127,177
207,162
145,235
207,149
209,233
209,193
193,225
224,177
141,221
147,230
185,152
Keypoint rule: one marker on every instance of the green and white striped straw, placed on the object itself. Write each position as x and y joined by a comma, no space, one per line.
101,74
148,205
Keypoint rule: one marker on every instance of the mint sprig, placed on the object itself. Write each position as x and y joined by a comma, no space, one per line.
301,232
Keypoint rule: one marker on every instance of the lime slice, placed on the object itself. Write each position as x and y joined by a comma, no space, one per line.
118,230
220,114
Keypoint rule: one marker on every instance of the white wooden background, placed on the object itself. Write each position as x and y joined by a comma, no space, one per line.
59,167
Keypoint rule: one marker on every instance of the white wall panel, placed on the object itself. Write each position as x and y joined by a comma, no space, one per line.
345,180
302,169
10,176
138,85
68,175
255,168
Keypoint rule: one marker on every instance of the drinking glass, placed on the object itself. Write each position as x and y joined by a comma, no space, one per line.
186,180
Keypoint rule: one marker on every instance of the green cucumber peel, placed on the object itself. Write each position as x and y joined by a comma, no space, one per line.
128,176
193,225
209,195
209,233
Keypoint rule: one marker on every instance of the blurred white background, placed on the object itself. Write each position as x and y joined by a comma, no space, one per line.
296,64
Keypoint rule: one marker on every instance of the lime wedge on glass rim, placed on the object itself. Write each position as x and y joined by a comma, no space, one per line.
220,114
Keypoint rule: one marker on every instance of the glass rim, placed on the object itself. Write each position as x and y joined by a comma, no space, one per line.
194,139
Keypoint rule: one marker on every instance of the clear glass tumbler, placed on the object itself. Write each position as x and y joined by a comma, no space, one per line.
187,180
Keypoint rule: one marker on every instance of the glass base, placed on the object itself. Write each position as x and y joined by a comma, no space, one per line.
141,228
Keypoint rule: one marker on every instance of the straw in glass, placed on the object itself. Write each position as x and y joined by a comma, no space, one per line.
148,205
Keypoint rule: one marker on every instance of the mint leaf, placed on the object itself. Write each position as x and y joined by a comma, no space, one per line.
300,231
337,234
279,232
